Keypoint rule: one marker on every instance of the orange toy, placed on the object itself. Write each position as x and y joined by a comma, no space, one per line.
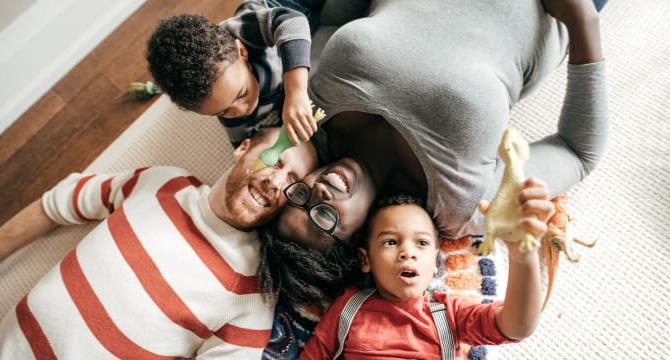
559,238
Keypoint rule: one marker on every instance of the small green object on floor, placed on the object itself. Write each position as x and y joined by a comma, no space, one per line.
142,91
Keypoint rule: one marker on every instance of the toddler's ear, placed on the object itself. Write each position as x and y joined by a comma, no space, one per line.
242,149
364,260
242,50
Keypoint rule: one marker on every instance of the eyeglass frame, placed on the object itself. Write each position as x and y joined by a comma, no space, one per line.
330,232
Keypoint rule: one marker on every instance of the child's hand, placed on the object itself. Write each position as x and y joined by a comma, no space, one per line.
298,119
535,206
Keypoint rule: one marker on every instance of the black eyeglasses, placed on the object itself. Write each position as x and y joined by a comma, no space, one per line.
324,216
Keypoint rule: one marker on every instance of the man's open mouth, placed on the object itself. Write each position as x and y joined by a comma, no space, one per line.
258,197
336,178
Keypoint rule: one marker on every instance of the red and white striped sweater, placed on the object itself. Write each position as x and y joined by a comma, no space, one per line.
161,277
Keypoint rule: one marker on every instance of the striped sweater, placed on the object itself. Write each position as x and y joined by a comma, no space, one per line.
160,277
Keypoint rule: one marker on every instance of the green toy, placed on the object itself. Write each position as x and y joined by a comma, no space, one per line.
270,156
142,91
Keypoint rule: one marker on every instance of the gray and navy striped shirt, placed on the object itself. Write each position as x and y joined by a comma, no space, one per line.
278,40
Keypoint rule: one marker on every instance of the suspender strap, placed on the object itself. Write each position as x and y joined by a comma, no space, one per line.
347,317
439,312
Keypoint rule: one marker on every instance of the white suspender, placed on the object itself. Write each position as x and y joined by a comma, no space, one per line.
347,316
437,310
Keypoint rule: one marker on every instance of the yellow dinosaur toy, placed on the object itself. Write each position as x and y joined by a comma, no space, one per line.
504,212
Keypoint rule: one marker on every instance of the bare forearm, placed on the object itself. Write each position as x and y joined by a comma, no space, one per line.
26,226
585,45
583,23
295,81
519,316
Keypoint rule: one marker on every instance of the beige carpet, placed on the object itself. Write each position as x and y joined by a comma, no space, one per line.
613,304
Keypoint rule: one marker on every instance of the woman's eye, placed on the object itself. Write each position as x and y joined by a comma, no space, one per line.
300,195
326,214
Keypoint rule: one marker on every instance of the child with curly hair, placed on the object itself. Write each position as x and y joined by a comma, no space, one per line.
240,70
399,318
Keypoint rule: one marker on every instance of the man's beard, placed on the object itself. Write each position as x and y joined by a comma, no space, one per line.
244,215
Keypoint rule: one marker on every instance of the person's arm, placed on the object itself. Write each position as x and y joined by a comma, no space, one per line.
259,28
297,112
567,157
24,227
583,23
77,199
519,315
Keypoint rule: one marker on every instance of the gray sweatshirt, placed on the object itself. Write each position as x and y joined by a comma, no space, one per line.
445,74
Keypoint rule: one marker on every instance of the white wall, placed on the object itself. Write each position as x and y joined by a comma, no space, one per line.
45,41
10,10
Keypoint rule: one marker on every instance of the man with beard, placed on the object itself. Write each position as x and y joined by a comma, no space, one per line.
170,272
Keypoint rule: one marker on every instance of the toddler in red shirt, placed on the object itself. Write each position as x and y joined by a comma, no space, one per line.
399,319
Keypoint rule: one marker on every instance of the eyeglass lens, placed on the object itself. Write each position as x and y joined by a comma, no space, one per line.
299,193
324,216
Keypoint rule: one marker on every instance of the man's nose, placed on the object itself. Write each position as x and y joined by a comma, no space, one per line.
322,193
275,180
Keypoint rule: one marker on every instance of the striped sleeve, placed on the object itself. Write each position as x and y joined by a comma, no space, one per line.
259,27
81,198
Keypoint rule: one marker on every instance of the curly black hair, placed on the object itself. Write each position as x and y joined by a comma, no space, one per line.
302,275
361,236
185,54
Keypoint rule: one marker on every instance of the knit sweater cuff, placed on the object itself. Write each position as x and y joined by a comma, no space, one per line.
295,54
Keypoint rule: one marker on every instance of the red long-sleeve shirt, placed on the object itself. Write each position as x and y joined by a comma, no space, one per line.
383,329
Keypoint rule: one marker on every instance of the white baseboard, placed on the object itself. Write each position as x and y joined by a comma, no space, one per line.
46,41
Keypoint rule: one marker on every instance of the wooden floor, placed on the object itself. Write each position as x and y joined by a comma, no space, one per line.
86,110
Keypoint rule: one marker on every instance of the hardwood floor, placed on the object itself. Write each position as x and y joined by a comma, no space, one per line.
86,110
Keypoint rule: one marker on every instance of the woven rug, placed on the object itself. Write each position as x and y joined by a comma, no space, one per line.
610,305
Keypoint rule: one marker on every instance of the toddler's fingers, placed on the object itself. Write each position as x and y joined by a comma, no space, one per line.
306,125
301,131
291,134
536,227
543,209
312,123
